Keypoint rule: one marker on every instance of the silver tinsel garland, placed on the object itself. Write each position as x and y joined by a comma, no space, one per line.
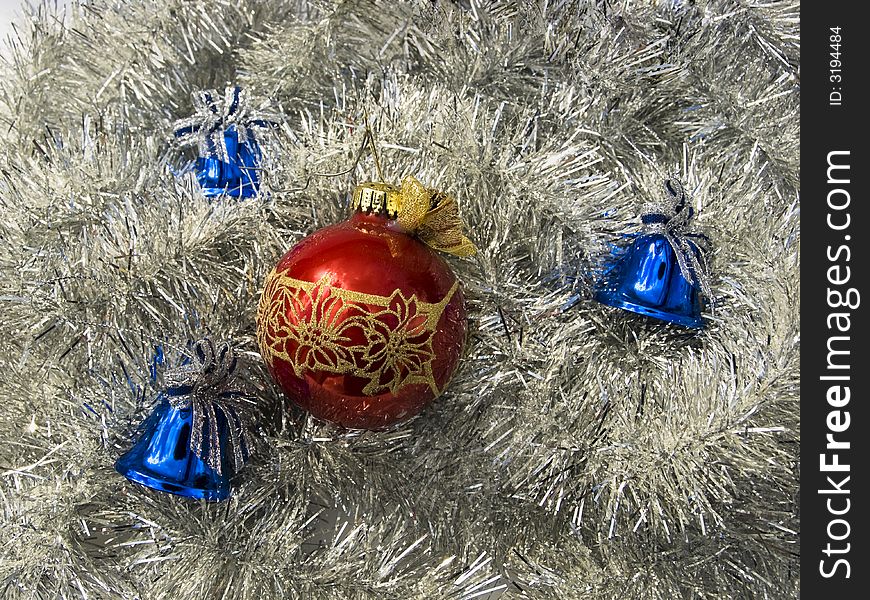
580,452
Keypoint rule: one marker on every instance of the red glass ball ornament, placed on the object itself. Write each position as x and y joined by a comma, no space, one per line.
360,323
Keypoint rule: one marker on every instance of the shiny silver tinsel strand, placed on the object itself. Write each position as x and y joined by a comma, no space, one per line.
580,452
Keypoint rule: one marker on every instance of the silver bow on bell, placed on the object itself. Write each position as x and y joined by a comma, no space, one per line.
214,114
671,219
207,386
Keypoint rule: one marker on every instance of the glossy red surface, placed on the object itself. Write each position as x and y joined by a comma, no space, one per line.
367,254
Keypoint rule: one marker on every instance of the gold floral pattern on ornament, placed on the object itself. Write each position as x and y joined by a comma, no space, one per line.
316,326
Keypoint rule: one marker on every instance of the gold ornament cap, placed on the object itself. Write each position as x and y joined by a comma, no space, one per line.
430,215
377,198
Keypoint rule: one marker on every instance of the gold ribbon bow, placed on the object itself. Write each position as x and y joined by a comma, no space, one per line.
430,215
433,217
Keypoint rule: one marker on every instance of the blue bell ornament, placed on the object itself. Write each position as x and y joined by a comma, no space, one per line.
663,274
223,129
194,441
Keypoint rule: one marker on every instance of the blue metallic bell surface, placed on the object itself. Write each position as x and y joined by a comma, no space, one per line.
648,281
238,175
162,459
